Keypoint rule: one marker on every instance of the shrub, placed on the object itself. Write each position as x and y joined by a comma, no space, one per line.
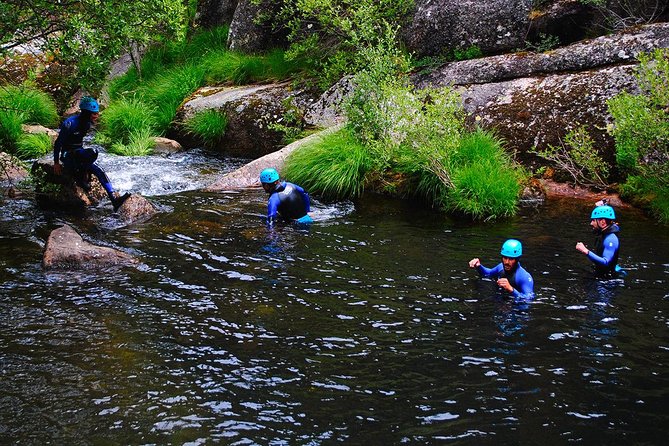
578,158
333,166
32,146
208,125
35,106
10,129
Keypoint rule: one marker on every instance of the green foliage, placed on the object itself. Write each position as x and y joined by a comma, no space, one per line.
333,166
31,146
124,118
641,132
21,105
332,36
35,106
88,33
208,125
578,158
546,43
140,143
641,122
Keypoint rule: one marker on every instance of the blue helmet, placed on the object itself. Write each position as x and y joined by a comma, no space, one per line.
269,175
603,212
90,104
512,248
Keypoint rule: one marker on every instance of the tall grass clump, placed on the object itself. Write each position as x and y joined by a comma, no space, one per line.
23,105
208,125
124,118
140,142
30,146
333,166
641,133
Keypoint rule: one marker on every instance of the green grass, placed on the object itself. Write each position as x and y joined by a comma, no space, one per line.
23,105
140,143
333,166
174,71
124,118
208,125
36,106
32,146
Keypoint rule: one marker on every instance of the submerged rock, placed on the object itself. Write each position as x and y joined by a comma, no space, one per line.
66,249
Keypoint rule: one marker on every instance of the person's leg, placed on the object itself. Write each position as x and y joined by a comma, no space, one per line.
114,197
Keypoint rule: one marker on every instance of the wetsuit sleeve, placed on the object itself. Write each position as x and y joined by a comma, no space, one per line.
63,134
524,289
273,208
490,272
610,248
305,197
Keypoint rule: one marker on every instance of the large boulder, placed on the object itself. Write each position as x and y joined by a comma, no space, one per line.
533,100
600,52
247,176
495,26
66,249
250,111
249,33
211,13
61,191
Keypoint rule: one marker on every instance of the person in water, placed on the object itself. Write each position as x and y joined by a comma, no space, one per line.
607,245
509,274
77,160
286,199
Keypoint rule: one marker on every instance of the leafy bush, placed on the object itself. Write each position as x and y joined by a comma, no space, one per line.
208,125
32,146
641,133
578,158
333,166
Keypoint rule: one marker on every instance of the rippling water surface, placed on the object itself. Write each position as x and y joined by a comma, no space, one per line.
366,328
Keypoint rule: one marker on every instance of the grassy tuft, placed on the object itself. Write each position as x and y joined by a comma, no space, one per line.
10,129
36,106
31,146
124,118
140,143
333,166
208,125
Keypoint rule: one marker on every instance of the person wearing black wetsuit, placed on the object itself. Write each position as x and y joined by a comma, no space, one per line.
286,199
509,274
607,244
77,160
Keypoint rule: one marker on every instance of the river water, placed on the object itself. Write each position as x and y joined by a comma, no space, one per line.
366,328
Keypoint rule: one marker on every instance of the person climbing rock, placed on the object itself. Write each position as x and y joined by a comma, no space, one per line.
77,161
509,274
288,200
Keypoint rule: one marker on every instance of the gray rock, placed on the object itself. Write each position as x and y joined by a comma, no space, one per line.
327,110
11,169
250,111
136,209
40,129
66,249
247,176
602,51
61,191
166,146
211,13
248,36
494,26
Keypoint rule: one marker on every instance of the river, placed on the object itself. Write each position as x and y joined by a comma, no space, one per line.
367,328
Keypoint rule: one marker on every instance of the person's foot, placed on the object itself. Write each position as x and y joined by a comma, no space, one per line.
85,185
118,201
